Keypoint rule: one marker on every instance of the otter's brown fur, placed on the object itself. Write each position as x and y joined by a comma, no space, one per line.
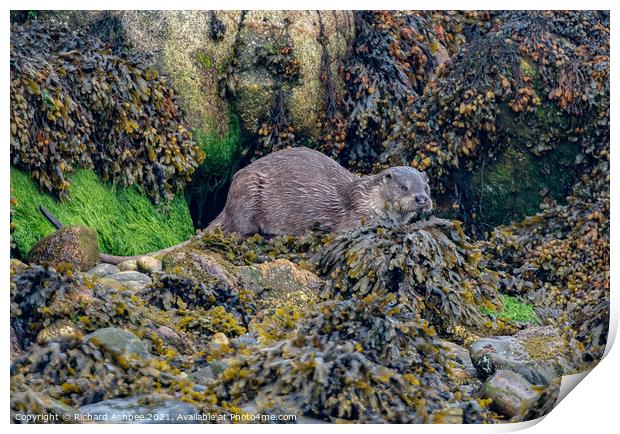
296,189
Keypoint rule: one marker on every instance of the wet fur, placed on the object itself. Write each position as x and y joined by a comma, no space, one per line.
293,190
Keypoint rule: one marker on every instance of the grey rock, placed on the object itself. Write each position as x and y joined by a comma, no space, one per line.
131,276
103,270
141,409
119,342
539,354
510,392
208,373
462,357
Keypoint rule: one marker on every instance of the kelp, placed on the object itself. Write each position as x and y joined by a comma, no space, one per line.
75,103
430,265
363,360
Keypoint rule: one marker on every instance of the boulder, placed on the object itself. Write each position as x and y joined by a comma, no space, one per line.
102,270
539,354
183,343
201,265
150,409
76,245
280,284
510,392
195,49
118,342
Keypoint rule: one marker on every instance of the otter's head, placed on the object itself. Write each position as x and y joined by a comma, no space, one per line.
405,190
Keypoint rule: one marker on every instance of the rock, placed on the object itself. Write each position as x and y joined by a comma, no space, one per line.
47,407
132,279
119,342
280,284
17,266
510,392
62,330
141,409
208,373
462,357
16,347
76,245
185,51
182,343
128,265
538,353
269,31
148,264
201,265
102,270
113,283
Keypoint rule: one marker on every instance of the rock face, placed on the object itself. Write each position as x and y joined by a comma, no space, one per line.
510,392
141,409
76,245
194,49
119,342
280,284
539,354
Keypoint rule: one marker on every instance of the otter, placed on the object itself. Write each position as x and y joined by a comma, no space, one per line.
298,189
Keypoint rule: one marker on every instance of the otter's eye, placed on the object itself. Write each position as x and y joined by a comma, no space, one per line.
404,188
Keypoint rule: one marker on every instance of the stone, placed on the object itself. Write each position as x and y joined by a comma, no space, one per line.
119,342
128,265
151,409
539,354
102,270
209,373
181,342
218,342
201,265
510,392
280,284
148,264
462,357
129,277
76,245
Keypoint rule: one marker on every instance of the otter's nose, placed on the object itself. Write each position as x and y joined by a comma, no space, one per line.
422,199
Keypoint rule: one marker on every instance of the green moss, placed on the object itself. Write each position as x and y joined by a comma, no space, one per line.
514,310
221,161
125,220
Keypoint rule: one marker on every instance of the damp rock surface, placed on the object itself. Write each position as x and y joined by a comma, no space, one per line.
76,245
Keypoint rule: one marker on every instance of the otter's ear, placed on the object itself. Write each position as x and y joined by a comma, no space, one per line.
424,176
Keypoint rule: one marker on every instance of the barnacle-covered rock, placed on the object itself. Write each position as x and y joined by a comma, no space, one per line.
539,354
76,245
429,264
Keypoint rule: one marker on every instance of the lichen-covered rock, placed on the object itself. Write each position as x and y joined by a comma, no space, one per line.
103,270
281,284
118,342
141,409
510,392
539,354
76,245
